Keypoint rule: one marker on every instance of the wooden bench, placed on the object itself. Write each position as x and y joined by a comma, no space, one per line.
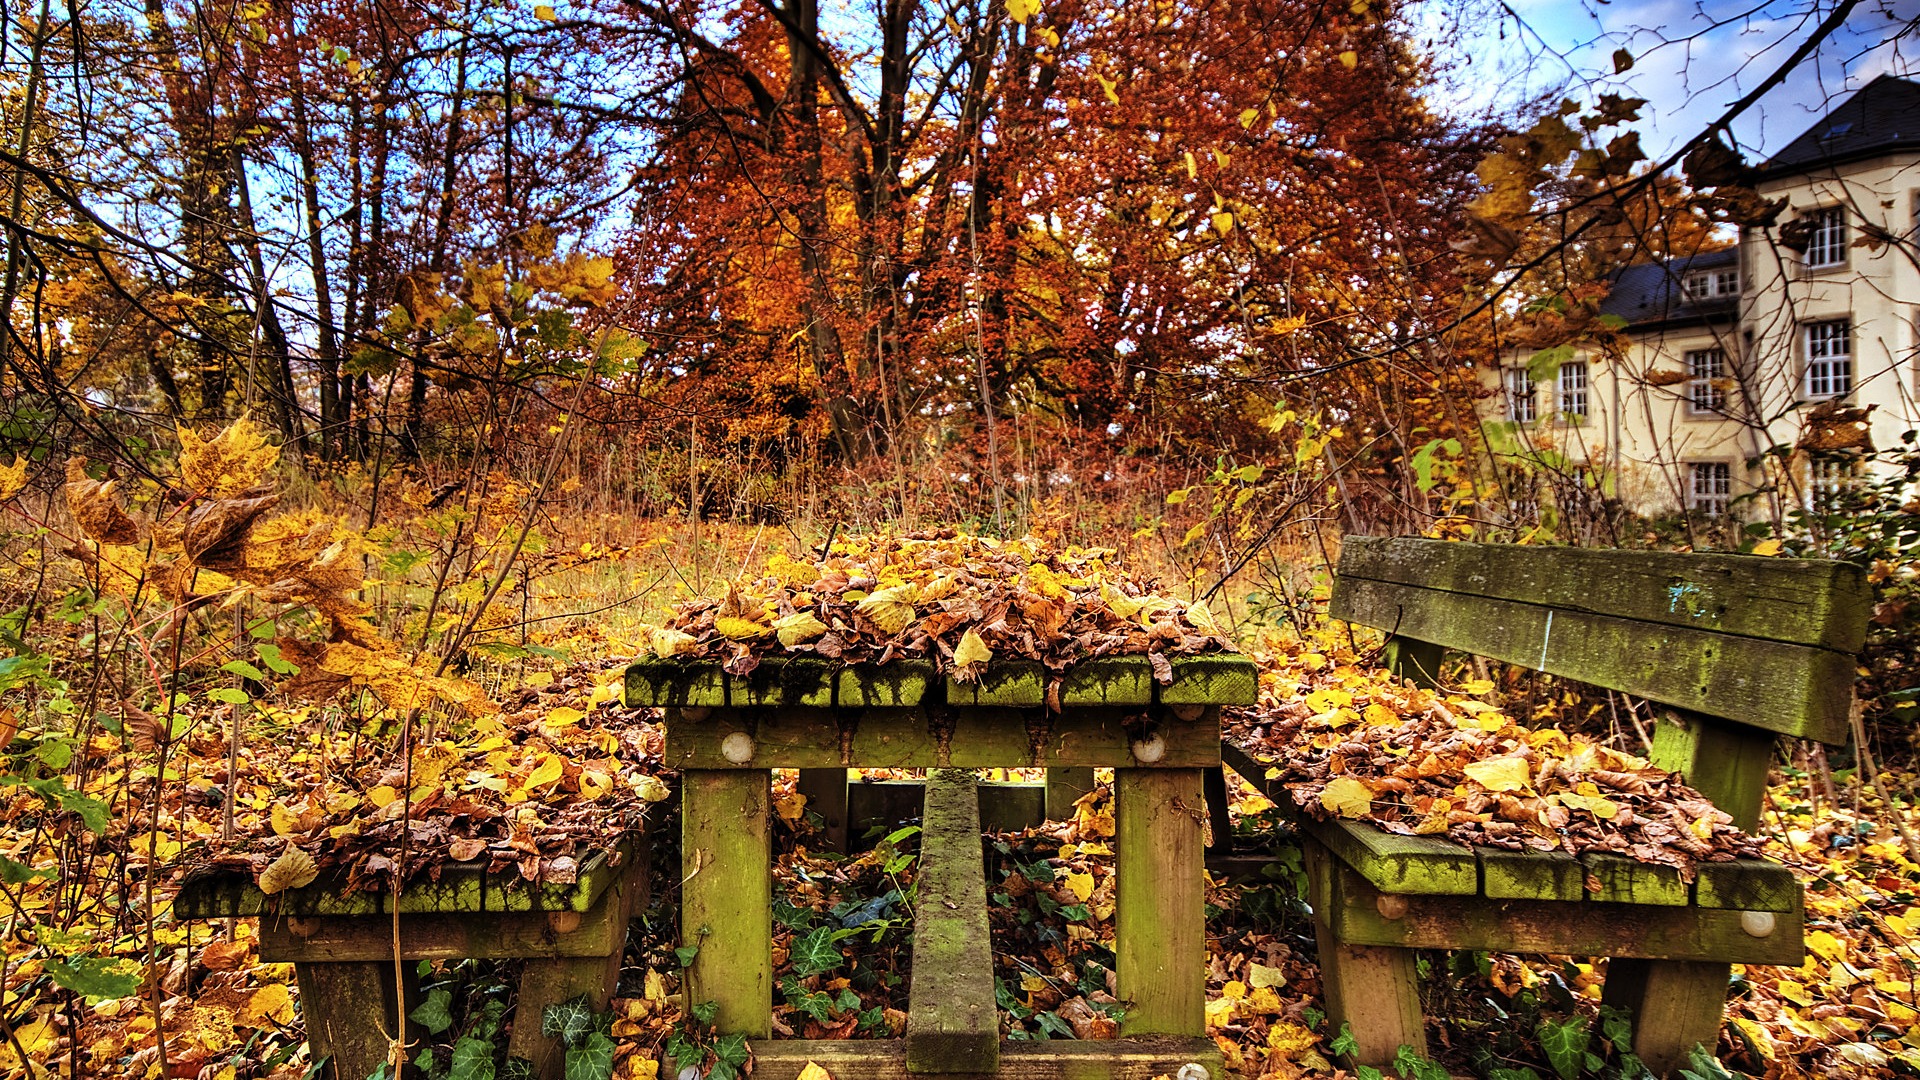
341,946
1742,650
726,733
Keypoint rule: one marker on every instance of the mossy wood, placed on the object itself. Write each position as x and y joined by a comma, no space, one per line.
953,1020
1371,991
1675,1005
551,980
1215,679
1813,602
1791,689
1065,786
726,895
1058,1059
961,738
1160,940
352,1027
1725,761
1005,806
461,889
827,795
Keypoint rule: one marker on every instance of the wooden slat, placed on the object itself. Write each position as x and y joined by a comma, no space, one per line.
726,895
1058,1059
1160,928
1554,927
1530,875
1812,602
1629,881
1401,864
669,683
800,680
953,1021
1791,689
1220,679
1004,806
1109,680
896,685
902,739
1725,761
1018,683
1746,885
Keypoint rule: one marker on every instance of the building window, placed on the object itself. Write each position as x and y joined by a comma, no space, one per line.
1520,406
1573,388
1710,487
1829,358
1826,237
1706,393
1708,284
1827,478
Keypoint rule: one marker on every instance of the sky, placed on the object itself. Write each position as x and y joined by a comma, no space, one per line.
1691,60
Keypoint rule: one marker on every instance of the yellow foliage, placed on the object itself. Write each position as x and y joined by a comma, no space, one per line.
229,463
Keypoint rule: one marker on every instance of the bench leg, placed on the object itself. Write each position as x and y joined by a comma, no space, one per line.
1219,816
826,792
726,895
1725,761
1371,990
1675,1004
545,982
1160,936
1064,788
349,1011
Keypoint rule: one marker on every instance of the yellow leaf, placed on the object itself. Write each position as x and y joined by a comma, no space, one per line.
656,986
1108,85
1220,158
1287,1039
890,609
1200,617
651,789
1022,10
229,463
973,650
544,13
1193,173
790,807
798,628
550,768
565,716
1347,797
667,643
1222,221
272,1000
1349,59
13,477
294,869
734,628
813,1071
284,821
1500,774
1766,547
1080,885
1248,116
1379,715
382,795
1234,990
1259,975
1032,983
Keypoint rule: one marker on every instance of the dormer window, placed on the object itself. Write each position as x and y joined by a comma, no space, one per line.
1707,284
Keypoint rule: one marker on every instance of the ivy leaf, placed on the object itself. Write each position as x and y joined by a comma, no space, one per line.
517,1068
93,977
472,1060
435,1013
1565,1044
592,1060
570,1021
1344,1044
816,954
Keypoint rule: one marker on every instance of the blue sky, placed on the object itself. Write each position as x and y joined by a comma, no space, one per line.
1691,59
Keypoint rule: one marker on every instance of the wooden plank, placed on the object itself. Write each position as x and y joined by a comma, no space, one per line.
1216,679
670,683
898,684
953,1022
1675,1005
1004,806
1630,881
1108,680
1058,1059
336,938
1531,875
1373,990
980,738
726,895
1812,602
1726,762
1360,914
826,792
797,680
349,1013
1064,788
1791,689
1418,661
1013,683
550,981
1746,885
1219,814
1160,938
1400,864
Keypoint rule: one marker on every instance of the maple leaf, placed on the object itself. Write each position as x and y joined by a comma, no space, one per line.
229,463
94,508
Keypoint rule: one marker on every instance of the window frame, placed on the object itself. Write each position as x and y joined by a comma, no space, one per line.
1696,382
1820,215
1513,397
1831,367
1712,504
1563,393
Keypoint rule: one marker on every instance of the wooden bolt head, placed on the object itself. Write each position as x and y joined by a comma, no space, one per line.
303,928
737,748
692,714
1150,749
1757,923
1391,906
563,922
1189,713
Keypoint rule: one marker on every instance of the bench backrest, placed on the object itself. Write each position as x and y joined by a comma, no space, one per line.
1765,642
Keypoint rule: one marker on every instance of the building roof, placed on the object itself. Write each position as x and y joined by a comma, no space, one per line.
1884,115
1649,296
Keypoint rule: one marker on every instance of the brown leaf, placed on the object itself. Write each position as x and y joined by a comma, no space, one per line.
94,508
216,532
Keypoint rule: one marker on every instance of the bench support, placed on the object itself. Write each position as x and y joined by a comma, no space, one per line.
548,981
1160,936
726,895
1065,785
1675,1005
1724,761
1372,990
349,1012
953,1020
826,792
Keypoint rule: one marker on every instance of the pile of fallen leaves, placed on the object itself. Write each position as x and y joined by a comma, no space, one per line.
956,599
532,791
1422,762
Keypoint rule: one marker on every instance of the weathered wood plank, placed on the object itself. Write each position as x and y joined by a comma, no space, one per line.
1014,683
1746,885
897,685
349,1013
826,793
1360,914
670,683
1108,680
1530,875
726,895
953,1022
1064,788
1792,689
1812,602
1630,881
1160,930
1400,864
1675,1005
1217,679
336,938
1219,813
1059,1059
550,981
1727,762
1373,990
981,738
798,680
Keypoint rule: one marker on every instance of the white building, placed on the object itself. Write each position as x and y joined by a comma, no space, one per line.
1755,377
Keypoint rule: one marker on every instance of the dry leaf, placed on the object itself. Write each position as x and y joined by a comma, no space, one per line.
294,869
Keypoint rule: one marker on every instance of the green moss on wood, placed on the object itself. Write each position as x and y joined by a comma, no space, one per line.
1401,864
1746,885
672,684
1223,679
900,684
1629,881
953,1022
1531,875
797,680
1017,683
1108,680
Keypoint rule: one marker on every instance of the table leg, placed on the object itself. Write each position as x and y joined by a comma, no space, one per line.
1675,1004
726,895
348,1007
826,792
550,981
1161,933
